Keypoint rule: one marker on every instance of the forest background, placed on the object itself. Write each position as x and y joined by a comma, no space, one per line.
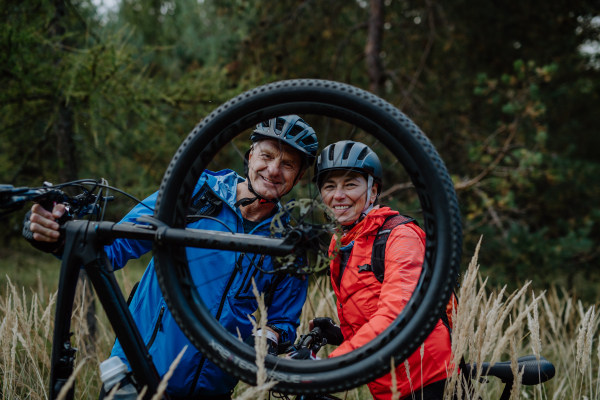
509,93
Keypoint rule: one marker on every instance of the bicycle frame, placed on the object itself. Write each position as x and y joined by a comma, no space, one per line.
85,248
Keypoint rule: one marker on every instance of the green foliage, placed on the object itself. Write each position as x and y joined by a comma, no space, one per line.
501,90
126,121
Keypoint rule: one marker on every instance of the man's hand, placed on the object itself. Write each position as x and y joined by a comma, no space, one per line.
272,339
43,223
331,331
41,228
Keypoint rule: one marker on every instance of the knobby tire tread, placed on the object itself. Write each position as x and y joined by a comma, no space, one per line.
337,380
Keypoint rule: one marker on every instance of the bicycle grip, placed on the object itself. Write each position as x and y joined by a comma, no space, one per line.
48,204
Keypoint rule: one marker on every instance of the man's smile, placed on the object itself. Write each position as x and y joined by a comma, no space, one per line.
268,180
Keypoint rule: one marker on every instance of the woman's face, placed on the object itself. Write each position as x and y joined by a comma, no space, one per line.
345,193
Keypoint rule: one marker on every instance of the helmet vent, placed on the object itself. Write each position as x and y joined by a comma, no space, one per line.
294,131
308,140
331,152
347,150
279,125
363,154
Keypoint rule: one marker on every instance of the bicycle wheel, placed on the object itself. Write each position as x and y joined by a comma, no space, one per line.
372,118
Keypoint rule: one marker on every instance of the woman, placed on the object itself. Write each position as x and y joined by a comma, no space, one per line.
349,177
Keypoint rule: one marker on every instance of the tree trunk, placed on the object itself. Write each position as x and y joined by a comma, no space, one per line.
373,47
66,152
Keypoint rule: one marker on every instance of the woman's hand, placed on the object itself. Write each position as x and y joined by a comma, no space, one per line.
302,354
331,331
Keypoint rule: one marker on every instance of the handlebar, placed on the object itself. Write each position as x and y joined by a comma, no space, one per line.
312,341
309,340
535,371
14,198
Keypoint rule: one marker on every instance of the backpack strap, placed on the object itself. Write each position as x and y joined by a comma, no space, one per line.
378,253
204,203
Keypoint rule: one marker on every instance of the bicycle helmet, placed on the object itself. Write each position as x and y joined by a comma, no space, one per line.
291,130
351,156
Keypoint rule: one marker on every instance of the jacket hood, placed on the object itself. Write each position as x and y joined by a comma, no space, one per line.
224,184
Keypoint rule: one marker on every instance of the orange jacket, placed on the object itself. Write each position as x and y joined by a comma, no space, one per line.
366,307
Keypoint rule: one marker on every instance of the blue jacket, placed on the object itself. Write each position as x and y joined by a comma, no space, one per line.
224,290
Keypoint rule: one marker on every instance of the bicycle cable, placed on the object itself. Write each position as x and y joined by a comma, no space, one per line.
79,183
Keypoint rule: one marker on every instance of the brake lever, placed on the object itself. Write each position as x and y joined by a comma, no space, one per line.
87,204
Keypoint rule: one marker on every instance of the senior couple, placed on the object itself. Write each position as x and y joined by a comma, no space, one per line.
349,176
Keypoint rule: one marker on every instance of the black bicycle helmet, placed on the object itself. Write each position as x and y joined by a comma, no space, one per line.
350,156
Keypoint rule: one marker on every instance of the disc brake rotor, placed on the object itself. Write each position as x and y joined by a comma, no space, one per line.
307,214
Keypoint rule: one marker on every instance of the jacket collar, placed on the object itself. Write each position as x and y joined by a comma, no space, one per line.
369,225
224,184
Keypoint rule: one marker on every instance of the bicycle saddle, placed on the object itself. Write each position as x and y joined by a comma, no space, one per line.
534,374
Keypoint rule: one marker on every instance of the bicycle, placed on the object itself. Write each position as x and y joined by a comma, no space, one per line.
167,230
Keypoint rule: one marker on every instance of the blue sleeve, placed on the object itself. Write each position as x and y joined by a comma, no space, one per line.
122,250
285,310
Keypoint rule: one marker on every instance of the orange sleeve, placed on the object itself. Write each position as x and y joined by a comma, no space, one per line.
404,256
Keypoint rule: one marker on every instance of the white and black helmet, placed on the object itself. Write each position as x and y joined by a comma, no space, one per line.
350,156
291,130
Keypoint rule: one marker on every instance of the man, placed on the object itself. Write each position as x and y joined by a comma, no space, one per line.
283,148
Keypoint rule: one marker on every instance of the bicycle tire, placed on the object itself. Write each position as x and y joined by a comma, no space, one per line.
435,191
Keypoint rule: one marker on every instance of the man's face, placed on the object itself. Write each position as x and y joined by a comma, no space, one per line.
273,168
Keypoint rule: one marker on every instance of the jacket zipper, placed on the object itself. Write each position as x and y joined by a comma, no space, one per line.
156,327
219,311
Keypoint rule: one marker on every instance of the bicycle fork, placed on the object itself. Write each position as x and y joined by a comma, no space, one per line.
84,248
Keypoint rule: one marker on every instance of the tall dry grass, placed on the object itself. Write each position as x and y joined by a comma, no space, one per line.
490,325
26,329
263,385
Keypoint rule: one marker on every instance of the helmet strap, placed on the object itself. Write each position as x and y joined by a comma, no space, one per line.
246,201
368,205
